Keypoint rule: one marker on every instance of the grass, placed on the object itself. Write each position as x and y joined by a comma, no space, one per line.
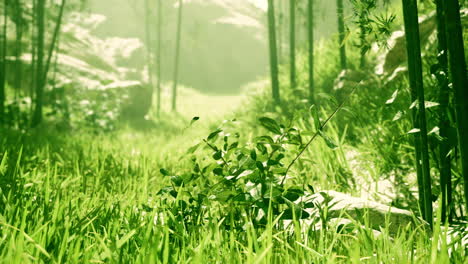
101,207
80,197
94,199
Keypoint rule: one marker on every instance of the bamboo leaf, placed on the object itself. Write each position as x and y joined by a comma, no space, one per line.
414,131
392,99
397,116
429,104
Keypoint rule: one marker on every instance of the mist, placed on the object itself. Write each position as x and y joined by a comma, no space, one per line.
233,131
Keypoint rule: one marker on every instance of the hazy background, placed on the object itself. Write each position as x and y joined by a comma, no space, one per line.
224,42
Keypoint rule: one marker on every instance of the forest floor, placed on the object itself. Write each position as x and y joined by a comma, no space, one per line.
101,198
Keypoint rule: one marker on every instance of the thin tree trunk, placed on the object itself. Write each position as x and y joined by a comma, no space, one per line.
419,168
18,64
410,14
55,37
55,67
159,58
148,46
292,42
33,57
279,16
40,82
3,65
444,123
285,28
176,65
273,52
18,48
458,75
310,22
341,33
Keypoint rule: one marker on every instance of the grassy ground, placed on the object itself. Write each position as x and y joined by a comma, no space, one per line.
82,197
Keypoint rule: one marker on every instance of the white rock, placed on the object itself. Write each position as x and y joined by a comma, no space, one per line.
375,215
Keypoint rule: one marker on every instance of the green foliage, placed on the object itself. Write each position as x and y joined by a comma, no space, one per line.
160,196
374,27
240,178
102,203
17,113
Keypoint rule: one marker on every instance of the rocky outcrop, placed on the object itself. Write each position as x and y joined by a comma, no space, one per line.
344,210
83,59
86,65
223,41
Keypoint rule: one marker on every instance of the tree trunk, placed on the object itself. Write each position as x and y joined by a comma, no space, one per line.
176,64
33,58
148,46
18,47
284,30
3,66
43,69
40,82
279,32
444,123
292,42
55,38
410,14
159,58
457,65
273,52
18,18
310,22
341,33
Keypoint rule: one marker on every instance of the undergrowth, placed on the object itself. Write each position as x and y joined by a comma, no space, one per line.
177,191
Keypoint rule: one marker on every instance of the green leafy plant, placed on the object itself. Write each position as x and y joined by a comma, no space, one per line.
247,178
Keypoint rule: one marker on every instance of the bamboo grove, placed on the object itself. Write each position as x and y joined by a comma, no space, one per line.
451,72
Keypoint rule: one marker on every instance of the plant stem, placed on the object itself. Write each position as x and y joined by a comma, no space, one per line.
322,126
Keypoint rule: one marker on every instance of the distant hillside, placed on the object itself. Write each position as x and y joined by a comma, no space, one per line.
223,41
